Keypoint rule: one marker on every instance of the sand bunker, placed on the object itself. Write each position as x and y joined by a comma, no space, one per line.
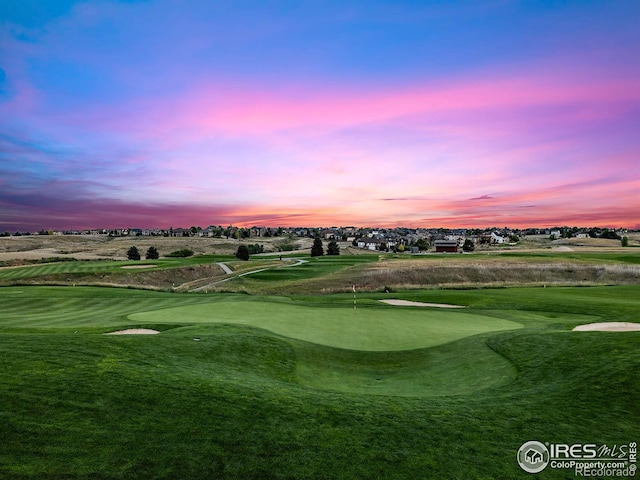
408,303
608,327
146,265
134,331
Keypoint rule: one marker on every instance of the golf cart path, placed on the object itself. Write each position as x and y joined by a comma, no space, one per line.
225,268
231,275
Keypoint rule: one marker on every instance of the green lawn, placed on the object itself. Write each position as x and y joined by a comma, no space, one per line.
244,387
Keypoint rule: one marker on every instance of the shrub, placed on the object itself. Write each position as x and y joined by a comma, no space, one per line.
255,248
182,253
468,245
242,253
287,247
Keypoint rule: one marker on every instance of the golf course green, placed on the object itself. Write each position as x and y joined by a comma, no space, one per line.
376,329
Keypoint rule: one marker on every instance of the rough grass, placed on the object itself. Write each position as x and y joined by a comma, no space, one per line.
474,271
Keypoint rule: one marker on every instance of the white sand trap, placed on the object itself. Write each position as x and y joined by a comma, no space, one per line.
563,249
146,265
608,327
408,303
134,331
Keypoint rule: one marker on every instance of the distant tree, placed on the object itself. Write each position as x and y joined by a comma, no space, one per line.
333,248
610,234
242,253
255,248
133,253
316,249
400,248
468,245
152,254
624,241
422,244
383,247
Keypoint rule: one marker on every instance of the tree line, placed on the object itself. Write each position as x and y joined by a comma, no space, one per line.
152,253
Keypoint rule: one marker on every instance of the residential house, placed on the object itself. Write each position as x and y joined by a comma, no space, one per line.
369,243
497,239
443,246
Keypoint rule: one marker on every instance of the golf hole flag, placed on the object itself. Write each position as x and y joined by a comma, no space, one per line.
354,299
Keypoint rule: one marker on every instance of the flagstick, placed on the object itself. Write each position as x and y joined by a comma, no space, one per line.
355,311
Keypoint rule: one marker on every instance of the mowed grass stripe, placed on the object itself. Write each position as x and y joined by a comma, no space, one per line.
57,269
102,266
370,329
73,307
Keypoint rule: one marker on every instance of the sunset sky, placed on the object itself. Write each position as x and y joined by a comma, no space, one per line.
400,113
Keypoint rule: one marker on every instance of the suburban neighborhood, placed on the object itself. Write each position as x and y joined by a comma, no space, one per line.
398,240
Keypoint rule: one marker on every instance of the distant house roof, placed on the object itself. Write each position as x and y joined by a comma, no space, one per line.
446,245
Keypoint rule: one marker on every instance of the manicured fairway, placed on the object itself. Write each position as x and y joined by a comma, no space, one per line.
377,329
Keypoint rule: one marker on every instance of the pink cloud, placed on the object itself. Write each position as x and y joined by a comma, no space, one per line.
475,106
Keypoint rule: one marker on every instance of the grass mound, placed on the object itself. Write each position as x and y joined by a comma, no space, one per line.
429,372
